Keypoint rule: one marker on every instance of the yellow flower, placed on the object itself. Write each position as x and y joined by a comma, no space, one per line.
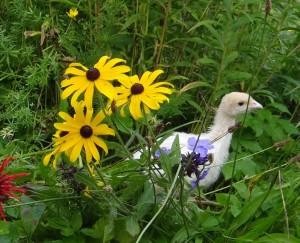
85,79
81,132
73,12
142,93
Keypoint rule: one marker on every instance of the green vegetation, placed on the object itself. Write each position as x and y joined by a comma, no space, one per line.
206,49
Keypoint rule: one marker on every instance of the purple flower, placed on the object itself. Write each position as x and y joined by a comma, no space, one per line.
200,146
195,183
165,150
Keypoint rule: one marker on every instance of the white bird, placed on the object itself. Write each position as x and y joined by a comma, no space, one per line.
231,105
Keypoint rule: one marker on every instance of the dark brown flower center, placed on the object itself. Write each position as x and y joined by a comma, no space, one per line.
137,89
63,133
92,74
86,131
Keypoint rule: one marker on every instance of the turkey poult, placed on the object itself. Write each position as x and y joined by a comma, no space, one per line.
231,105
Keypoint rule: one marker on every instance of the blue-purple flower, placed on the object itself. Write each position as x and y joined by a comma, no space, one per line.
200,146
165,150
202,175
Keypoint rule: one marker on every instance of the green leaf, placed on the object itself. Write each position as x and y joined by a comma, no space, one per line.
247,212
206,60
129,21
91,233
123,124
31,216
251,145
238,75
230,58
67,231
87,180
194,85
76,221
132,226
145,201
257,228
4,229
280,107
277,238
58,222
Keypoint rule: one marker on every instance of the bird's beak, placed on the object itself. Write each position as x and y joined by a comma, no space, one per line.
255,105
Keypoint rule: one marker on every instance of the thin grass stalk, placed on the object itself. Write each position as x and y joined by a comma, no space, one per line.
284,206
163,34
162,206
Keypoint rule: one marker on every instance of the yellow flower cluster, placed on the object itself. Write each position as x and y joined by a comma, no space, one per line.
82,131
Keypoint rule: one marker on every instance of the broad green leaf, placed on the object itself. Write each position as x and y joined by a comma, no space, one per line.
90,232
194,85
277,238
87,180
145,201
206,60
230,58
129,21
280,107
76,221
132,226
238,75
257,228
247,212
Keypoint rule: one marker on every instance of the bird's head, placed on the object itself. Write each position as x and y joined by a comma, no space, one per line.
236,103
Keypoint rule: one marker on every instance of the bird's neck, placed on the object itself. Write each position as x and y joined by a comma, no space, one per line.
220,125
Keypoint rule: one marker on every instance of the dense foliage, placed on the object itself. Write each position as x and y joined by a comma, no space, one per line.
206,49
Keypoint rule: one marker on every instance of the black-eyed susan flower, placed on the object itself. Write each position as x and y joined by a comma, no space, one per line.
73,12
81,133
142,93
100,76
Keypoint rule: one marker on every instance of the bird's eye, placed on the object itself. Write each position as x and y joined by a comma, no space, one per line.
241,103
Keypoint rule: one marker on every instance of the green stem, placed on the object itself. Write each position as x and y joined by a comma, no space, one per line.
162,206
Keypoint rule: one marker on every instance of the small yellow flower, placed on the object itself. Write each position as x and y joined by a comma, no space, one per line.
142,93
73,12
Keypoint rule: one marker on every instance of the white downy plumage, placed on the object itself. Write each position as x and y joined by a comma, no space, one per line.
231,105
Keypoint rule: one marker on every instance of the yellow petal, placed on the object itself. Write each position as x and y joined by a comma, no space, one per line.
79,112
114,72
144,78
106,88
75,71
93,149
88,153
151,103
78,81
76,151
100,143
152,77
98,118
65,116
88,96
112,63
68,127
76,95
71,142
103,129
125,81
77,64
135,107
99,65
